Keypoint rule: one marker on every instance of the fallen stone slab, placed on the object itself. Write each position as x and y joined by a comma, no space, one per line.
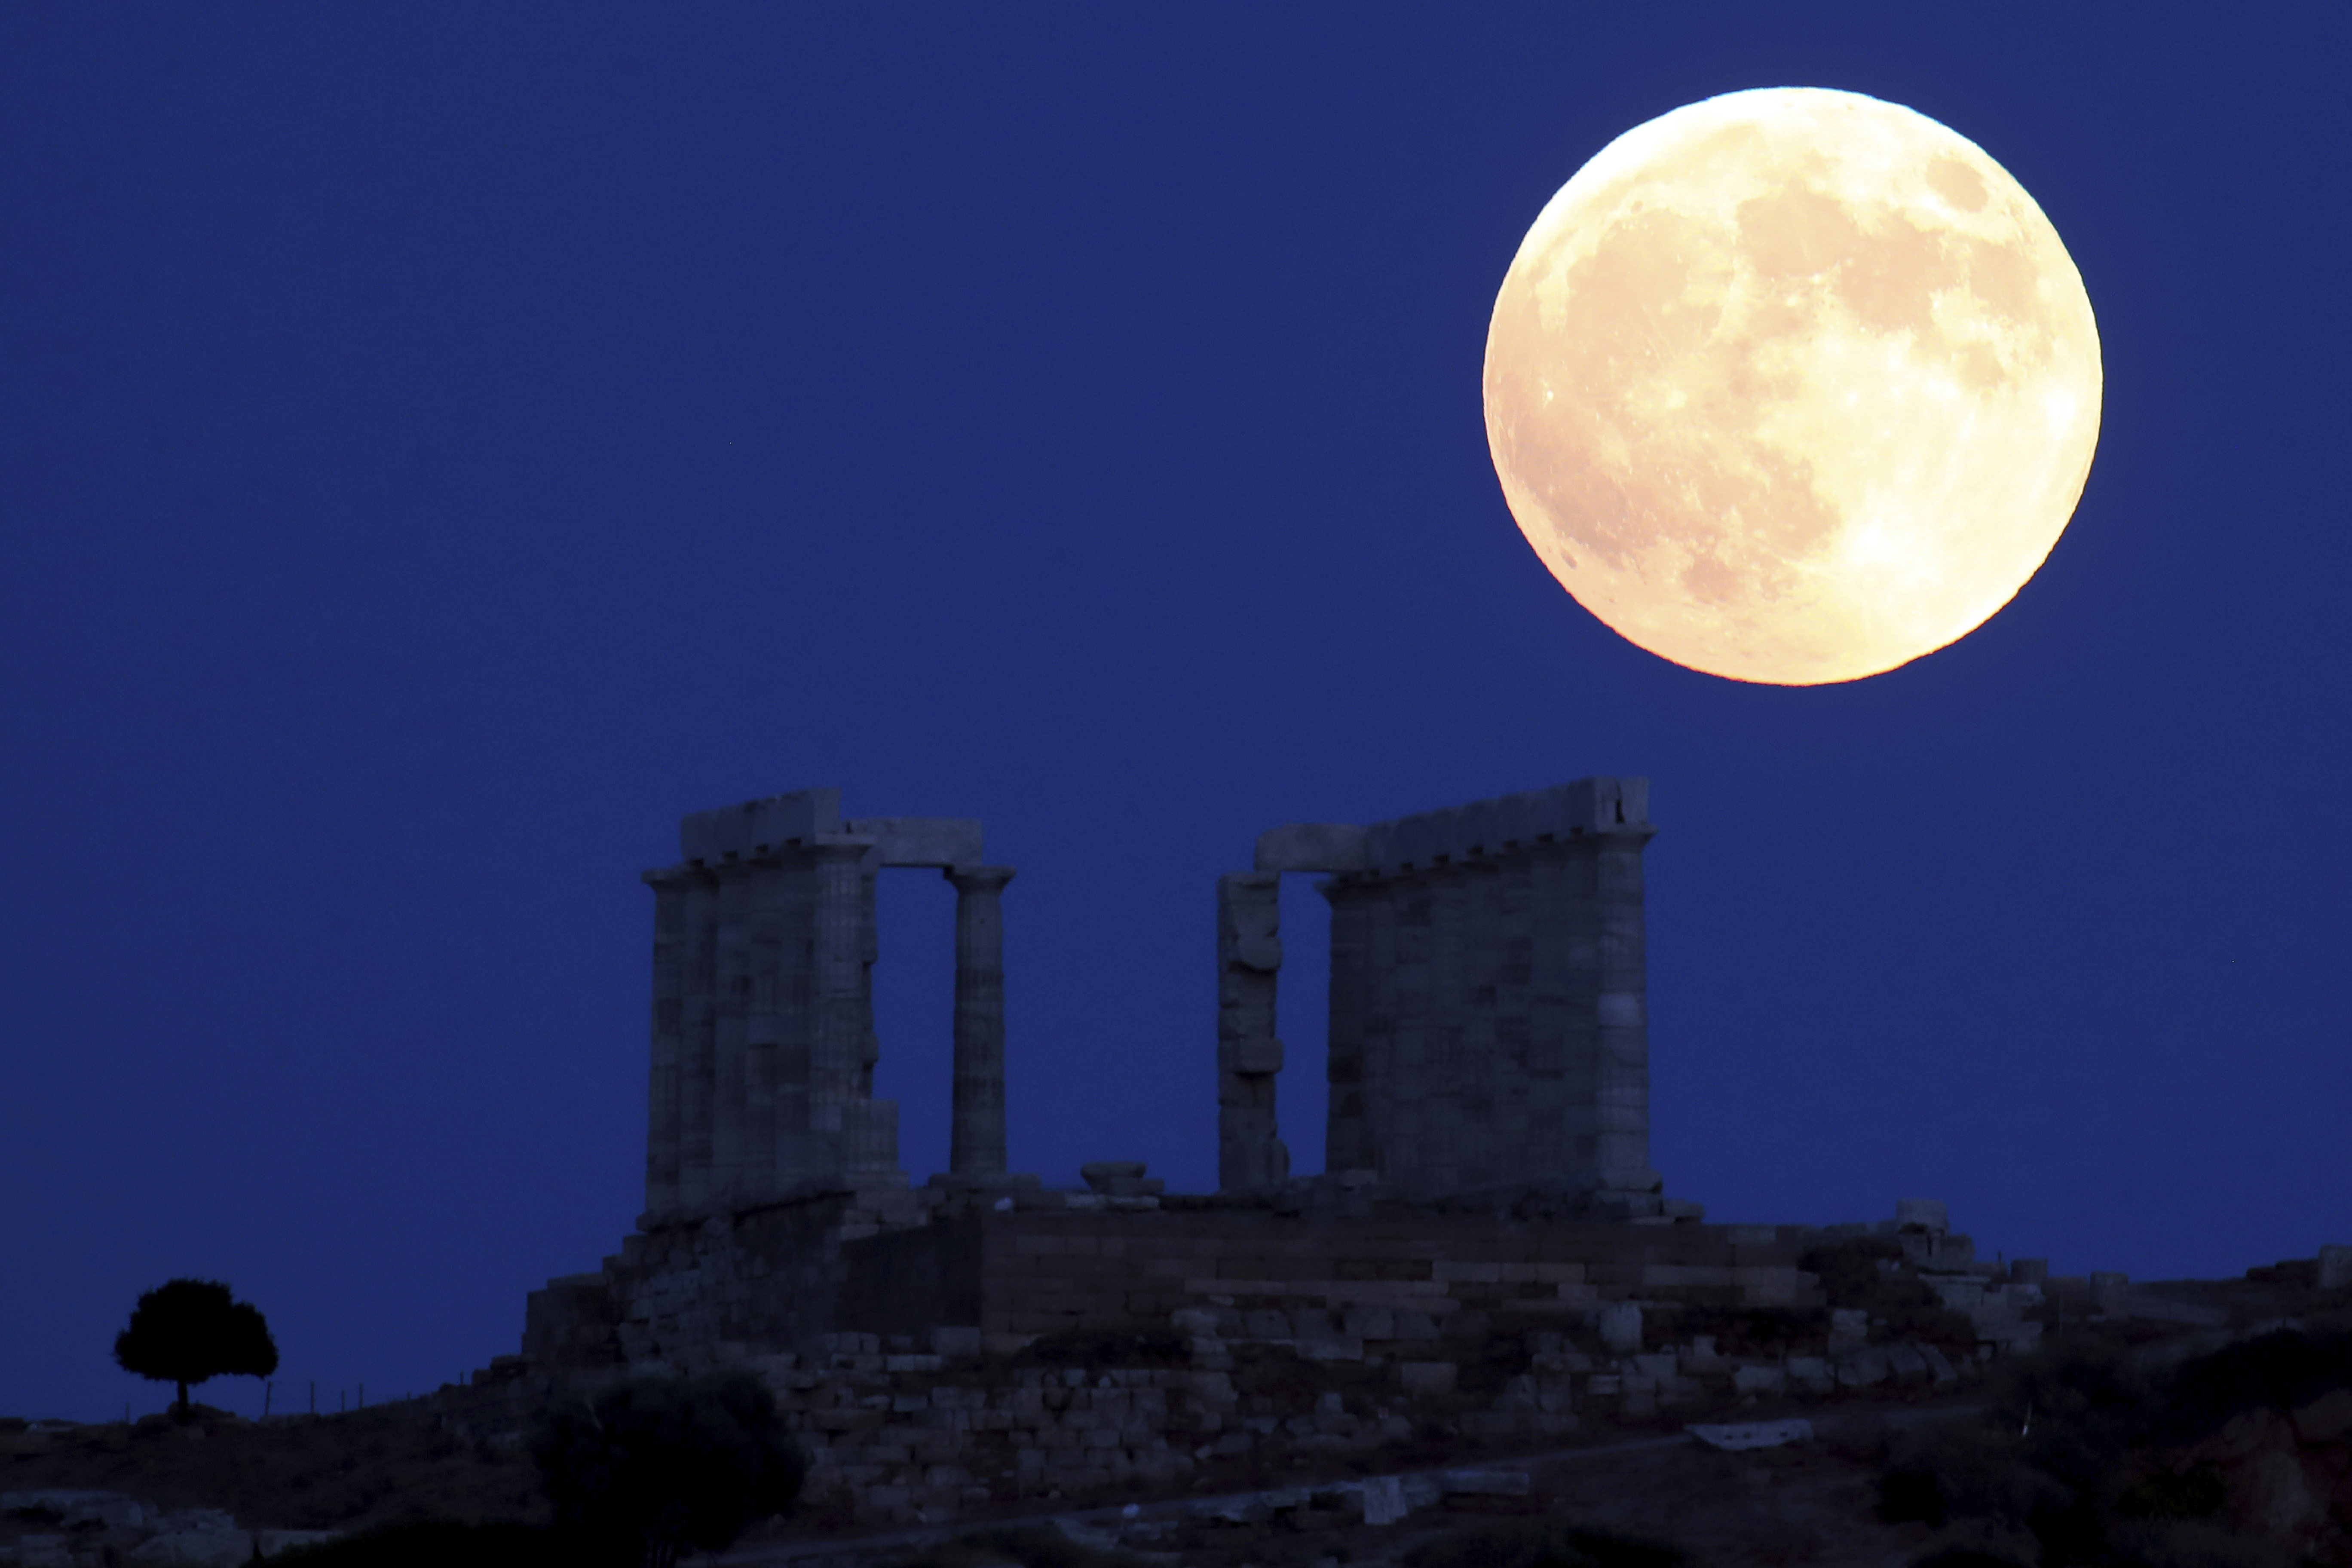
1383,1499
1753,1433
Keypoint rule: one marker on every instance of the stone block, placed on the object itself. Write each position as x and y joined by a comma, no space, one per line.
1490,1422
1927,1214
1426,1377
2109,1293
1906,1365
1811,1373
1939,1366
1258,1056
1311,847
1863,1368
1759,1379
1620,1327
1370,1323
2336,1267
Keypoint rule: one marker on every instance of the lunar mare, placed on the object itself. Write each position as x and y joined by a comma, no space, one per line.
1792,387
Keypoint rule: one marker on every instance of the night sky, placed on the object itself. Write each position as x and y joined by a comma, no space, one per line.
445,444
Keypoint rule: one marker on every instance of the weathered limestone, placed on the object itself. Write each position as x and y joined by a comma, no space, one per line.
976,1135
763,1045
1488,1014
1249,951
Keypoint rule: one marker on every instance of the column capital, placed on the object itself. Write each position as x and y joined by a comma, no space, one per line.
978,878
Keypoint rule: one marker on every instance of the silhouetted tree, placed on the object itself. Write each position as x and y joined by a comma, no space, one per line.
186,1330
652,1468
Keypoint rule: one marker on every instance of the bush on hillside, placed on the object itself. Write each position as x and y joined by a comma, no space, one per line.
652,1468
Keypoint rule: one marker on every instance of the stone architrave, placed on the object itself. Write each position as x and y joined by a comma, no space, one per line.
976,1132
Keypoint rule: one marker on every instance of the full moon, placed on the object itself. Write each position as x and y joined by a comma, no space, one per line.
1792,387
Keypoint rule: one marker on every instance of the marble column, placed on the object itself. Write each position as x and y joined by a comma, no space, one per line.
662,1140
1381,902
795,1157
838,1003
766,983
976,1132
1250,1152
1412,1063
1347,1138
698,1020
1621,1012
731,1012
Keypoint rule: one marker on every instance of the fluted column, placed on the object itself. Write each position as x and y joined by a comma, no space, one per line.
976,1135
1250,1151
730,1132
662,1087
1347,1138
836,1048
1621,1012
698,1023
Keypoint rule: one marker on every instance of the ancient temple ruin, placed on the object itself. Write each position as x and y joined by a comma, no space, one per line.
1488,1025
763,1044
1489,1070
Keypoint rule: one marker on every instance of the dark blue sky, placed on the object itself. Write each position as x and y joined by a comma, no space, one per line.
442,444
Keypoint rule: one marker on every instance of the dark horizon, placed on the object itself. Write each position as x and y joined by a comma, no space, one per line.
446,448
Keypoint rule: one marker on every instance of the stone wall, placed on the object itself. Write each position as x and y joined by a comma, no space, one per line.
891,1261
1488,999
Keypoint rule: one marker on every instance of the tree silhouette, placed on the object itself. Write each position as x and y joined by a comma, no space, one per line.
185,1330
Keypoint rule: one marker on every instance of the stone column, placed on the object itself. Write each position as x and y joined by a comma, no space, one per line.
766,983
731,1093
1250,1152
662,1134
837,1010
1379,1014
1490,1116
976,1134
1528,1110
697,1021
796,1017
1620,1008
1411,1061
1347,1138
1444,1089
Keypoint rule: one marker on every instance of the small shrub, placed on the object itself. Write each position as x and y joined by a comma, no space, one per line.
2197,1492
2280,1370
2193,1544
652,1468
